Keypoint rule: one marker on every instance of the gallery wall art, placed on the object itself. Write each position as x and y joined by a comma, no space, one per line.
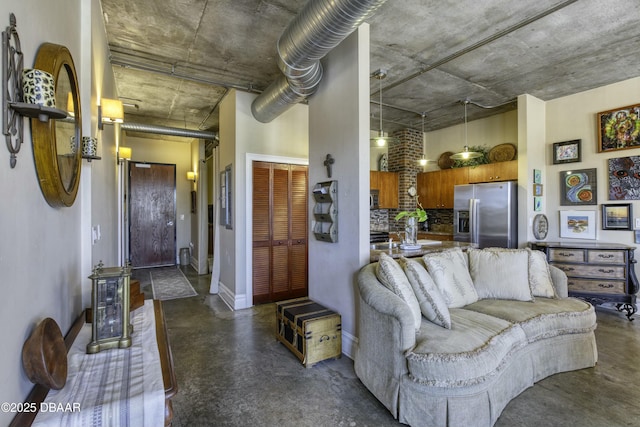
578,187
624,178
578,224
619,129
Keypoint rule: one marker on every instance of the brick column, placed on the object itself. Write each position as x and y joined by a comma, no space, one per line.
403,158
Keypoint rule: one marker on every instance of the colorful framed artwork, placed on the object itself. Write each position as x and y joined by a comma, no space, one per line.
537,190
617,217
578,224
637,236
578,187
619,129
567,151
537,204
537,176
624,178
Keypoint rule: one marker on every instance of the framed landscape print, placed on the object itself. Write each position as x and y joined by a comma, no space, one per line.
617,217
567,152
578,224
578,187
619,129
624,181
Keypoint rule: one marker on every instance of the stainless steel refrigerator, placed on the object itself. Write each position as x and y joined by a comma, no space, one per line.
486,214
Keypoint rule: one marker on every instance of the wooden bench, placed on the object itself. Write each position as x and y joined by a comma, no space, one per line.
39,392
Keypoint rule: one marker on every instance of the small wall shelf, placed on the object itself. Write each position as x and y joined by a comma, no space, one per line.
325,211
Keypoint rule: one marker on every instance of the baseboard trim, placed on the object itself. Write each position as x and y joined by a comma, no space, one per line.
349,345
234,302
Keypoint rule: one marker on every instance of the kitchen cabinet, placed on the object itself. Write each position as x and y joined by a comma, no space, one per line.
387,185
435,189
494,172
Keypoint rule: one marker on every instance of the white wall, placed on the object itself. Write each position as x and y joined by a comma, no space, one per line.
343,101
170,152
489,132
574,117
242,138
44,254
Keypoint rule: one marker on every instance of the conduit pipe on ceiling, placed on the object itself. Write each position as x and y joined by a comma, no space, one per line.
318,28
165,130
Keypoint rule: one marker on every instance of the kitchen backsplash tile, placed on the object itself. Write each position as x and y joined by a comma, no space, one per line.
379,220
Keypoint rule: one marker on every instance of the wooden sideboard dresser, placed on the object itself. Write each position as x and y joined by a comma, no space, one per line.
596,272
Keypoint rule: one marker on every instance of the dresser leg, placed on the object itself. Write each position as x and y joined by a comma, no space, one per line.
629,309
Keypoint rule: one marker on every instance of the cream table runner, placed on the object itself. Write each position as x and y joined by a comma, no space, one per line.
116,387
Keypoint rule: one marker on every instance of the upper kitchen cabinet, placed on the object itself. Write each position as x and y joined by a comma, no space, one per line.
493,172
387,185
435,189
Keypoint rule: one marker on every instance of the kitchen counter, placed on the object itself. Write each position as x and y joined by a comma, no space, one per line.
431,246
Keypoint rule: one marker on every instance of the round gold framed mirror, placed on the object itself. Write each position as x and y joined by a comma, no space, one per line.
57,149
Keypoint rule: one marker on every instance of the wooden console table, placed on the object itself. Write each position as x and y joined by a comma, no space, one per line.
596,272
39,392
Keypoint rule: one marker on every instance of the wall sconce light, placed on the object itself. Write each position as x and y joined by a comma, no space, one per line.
191,176
124,153
110,111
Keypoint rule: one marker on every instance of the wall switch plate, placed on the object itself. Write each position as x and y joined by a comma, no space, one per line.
637,223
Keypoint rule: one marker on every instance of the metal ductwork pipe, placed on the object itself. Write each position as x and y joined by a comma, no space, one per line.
318,28
164,130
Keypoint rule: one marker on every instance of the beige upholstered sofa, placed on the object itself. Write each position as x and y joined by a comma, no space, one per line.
450,339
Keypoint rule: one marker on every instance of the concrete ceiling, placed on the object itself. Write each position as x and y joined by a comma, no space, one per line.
174,60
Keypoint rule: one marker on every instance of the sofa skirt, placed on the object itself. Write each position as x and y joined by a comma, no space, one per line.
480,405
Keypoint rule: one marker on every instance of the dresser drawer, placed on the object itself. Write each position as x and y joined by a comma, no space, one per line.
606,257
596,286
573,255
595,271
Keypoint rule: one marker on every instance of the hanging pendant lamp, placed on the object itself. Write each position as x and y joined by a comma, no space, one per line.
423,160
465,154
380,140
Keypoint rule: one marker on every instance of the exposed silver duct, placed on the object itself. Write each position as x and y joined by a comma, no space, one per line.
318,28
164,130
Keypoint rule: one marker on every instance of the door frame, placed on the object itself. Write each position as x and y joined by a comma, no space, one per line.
249,159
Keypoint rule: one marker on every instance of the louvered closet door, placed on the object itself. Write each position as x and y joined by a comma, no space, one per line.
279,231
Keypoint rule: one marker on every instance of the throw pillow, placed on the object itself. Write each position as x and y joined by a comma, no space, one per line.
450,272
540,280
500,274
540,276
432,303
391,275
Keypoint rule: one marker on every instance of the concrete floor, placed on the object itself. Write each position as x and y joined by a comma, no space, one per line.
231,371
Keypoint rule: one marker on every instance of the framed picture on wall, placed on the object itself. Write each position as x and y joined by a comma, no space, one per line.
617,217
578,187
578,224
619,129
624,181
567,151
537,176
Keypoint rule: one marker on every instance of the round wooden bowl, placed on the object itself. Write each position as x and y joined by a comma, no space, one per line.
44,355
444,162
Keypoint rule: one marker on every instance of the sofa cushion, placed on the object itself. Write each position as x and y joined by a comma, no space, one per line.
500,274
475,349
392,276
450,272
432,303
545,318
540,280
540,276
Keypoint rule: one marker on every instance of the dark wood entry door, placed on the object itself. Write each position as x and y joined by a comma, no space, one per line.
279,231
152,214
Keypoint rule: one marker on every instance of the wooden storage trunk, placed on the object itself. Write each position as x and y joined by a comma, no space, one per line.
312,332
